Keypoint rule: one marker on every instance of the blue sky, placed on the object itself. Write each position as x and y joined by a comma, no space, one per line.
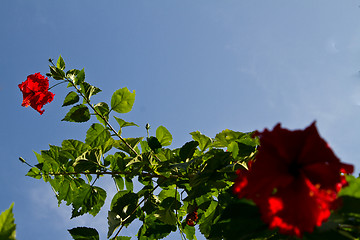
195,65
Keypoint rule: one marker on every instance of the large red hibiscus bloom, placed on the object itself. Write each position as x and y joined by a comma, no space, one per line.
294,179
36,92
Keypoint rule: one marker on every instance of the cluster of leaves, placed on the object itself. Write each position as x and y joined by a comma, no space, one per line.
196,177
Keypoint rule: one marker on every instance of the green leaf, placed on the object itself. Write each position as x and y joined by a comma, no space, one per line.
88,90
34,172
154,143
78,113
129,184
164,136
145,147
68,189
71,98
166,216
122,205
121,238
7,225
240,218
188,150
72,74
52,159
190,232
103,109
74,148
114,221
133,142
122,100
156,229
89,160
57,73
84,233
97,135
119,182
117,162
350,205
123,123
353,188
224,138
80,77
60,63
88,199
204,141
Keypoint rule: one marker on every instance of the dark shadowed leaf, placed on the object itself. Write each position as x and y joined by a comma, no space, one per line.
70,99
88,199
103,109
78,113
57,73
84,233
89,90
188,150
154,143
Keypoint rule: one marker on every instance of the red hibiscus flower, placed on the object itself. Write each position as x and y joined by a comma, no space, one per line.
294,180
191,218
35,92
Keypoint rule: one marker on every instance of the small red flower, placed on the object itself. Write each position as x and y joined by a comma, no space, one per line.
35,92
191,218
294,180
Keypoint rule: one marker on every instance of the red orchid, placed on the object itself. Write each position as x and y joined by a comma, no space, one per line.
35,92
294,180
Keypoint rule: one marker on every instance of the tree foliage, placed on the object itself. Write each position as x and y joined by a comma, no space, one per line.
180,187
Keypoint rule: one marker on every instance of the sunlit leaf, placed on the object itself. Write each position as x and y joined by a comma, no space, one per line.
79,77
204,141
7,224
97,135
164,136
60,63
122,123
34,172
122,100
71,74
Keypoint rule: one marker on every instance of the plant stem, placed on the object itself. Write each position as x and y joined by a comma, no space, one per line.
57,84
112,173
103,118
